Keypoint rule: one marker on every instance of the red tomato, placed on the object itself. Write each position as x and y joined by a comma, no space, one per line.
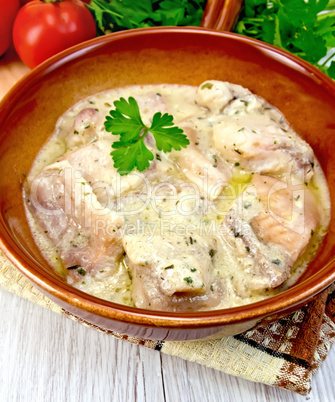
44,29
8,11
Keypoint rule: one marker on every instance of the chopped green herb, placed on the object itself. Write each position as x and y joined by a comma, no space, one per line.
237,164
247,248
193,269
241,129
76,132
158,157
169,267
207,85
238,151
312,232
81,271
211,252
188,280
276,261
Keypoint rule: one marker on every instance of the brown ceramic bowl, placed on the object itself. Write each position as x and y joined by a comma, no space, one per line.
152,56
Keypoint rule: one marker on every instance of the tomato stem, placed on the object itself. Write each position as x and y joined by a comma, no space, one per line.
51,1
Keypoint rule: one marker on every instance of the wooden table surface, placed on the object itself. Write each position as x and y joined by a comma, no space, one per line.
46,357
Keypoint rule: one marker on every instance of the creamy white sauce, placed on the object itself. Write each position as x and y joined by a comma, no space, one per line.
167,224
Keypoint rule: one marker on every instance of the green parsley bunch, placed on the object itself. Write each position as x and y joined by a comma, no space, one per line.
116,15
305,28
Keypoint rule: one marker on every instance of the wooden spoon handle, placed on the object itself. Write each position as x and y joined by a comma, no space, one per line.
221,15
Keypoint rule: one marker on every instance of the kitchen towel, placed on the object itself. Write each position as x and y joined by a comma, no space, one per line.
284,353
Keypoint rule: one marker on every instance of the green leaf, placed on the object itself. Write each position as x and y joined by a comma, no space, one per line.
135,155
125,120
174,16
299,26
269,28
303,12
167,135
117,124
313,46
129,109
116,15
253,7
144,6
277,33
130,152
331,70
325,26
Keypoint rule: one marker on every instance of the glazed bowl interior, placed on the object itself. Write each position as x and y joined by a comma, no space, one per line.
29,112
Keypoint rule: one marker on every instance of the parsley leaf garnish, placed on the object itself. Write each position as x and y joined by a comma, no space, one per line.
167,135
130,152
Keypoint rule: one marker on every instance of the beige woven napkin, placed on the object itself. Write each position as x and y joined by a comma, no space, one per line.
285,353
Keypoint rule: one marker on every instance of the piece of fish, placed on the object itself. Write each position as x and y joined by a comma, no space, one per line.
210,174
260,145
249,132
86,235
95,164
149,104
269,227
292,216
85,128
171,272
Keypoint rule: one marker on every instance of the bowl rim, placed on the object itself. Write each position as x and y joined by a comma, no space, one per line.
295,296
